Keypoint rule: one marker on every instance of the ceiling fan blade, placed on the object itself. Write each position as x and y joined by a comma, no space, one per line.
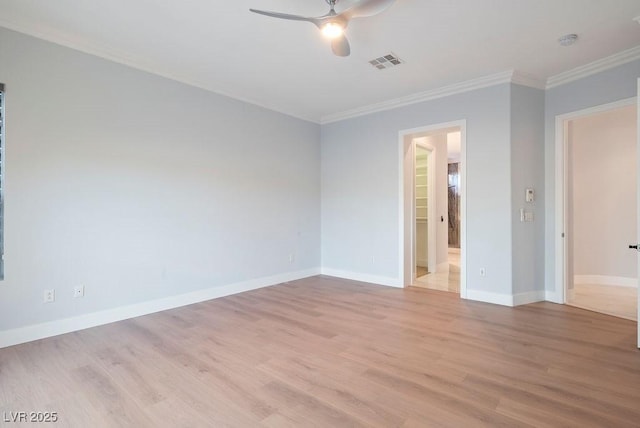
340,46
284,16
366,8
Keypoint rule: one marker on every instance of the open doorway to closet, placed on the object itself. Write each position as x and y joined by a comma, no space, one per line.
433,180
424,206
601,211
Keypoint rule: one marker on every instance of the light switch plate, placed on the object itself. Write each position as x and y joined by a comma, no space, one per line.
529,195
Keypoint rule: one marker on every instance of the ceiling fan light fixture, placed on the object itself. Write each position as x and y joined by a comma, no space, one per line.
332,30
332,25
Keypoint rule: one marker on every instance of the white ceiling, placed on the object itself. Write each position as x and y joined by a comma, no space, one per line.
287,66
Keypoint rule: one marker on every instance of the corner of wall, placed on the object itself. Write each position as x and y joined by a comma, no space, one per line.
527,172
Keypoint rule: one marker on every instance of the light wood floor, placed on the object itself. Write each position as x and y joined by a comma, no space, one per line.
448,280
607,299
331,353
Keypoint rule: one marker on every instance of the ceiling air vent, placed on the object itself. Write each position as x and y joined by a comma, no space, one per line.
385,61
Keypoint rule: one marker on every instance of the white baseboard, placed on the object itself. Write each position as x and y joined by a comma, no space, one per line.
528,297
506,299
619,281
422,263
67,325
552,296
363,277
488,297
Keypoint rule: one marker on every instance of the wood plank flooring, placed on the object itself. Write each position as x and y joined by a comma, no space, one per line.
607,299
334,353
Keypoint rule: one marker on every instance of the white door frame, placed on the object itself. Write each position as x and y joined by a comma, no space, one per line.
561,176
405,224
638,190
431,209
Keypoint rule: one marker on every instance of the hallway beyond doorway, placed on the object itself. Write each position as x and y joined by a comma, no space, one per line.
446,280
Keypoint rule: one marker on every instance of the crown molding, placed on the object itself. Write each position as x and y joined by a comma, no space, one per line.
122,58
510,76
524,79
594,67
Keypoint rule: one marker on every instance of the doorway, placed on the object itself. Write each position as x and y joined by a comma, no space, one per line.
600,210
428,258
424,206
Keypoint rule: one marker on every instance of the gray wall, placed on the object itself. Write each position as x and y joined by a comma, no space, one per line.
604,196
140,187
602,88
361,186
527,171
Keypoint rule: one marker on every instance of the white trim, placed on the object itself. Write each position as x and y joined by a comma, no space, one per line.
404,219
638,203
363,277
603,108
404,244
462,171
529,297
559,212
524,79
594,67
510,76
552,296
488,297
507,299
560,185
53,328
124,59
618,281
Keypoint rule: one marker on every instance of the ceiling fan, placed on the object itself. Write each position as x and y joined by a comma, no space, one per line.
334,24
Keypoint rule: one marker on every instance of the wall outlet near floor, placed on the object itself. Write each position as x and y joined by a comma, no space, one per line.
78,291
49,296
483,272
373,260
291,258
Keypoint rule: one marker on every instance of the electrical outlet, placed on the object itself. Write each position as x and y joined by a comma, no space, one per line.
49,296
529,195
373,260
78,291
483,272
291,258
